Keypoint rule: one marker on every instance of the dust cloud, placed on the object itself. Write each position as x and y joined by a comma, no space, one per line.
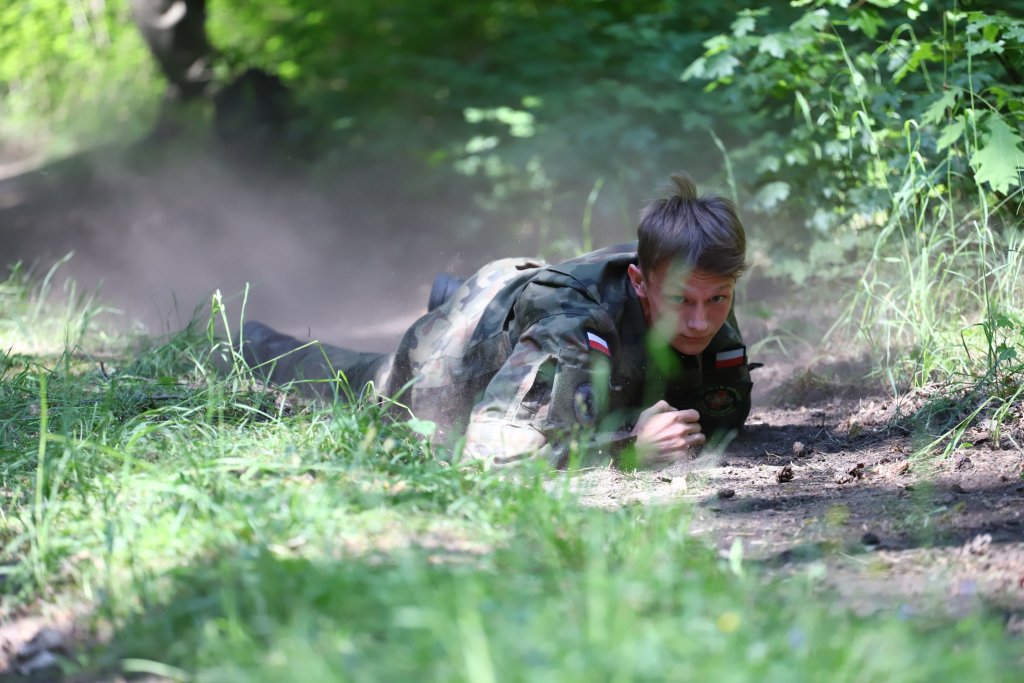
338,260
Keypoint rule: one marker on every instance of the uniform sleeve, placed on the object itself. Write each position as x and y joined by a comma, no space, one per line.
548,394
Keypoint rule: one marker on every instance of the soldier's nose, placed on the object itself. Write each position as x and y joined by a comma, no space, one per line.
697,320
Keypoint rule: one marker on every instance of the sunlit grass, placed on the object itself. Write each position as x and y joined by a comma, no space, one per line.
940,304
41,318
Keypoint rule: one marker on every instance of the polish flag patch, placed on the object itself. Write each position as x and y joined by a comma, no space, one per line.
731,358
598,344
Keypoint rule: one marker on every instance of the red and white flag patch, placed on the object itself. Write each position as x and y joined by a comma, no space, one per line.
598,344
731,358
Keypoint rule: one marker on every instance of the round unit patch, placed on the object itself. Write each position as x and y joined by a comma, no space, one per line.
720,400
583,404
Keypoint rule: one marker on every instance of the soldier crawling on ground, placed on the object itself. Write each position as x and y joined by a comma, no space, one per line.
630,352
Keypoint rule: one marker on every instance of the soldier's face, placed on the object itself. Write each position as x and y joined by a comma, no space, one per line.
687,308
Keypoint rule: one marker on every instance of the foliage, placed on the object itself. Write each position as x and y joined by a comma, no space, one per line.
439,86
68,69
894,134
535,101
868,110
940,310
820,108
216,535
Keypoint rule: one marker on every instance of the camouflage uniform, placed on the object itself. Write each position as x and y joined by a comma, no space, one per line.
527,358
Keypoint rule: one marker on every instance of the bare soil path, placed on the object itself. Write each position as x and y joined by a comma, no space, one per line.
830,483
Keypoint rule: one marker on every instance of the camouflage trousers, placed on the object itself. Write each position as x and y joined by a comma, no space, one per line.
316,370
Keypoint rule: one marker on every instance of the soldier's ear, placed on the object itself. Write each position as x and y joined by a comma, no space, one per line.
636,278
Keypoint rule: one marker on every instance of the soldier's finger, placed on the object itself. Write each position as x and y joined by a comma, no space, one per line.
685,426
688,442
651,415
688,415
662,406
675,431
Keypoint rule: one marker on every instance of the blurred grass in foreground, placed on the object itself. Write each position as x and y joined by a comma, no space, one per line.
217,531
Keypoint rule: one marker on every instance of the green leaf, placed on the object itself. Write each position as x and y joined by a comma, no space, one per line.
868,22
951,133
772,46
742,26
698,69
424,427
936,112
923,52
978,21
289,70
771,195
721,66
811,21
991,32
805,107
717,44
1000,155
824,252
1004,96
796,268
768,163
978,47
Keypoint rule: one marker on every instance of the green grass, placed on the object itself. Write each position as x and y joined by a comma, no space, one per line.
952,321
41,319
216,532
940,303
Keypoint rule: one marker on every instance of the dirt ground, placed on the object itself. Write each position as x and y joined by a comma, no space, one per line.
823,482
820,482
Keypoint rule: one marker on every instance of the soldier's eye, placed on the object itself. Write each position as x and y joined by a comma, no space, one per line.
677,300
719,299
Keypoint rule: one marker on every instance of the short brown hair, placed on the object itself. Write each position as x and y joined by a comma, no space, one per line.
700,232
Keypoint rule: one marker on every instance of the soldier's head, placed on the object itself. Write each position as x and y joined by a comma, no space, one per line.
692,250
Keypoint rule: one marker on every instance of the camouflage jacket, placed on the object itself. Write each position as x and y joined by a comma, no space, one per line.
532,358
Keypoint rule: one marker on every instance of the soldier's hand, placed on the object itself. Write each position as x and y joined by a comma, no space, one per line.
664,434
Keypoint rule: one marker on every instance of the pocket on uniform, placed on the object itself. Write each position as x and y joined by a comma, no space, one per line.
536,400
724,405
575,400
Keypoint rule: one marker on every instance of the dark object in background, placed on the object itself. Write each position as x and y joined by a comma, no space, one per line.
251,115
175,31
